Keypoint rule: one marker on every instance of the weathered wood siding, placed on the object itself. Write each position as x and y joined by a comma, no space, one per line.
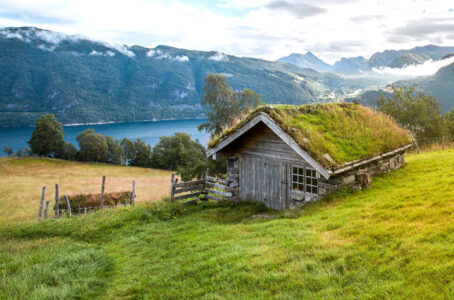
263,180
260,141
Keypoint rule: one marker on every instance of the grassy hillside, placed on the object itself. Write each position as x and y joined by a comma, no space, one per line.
394,240
21,180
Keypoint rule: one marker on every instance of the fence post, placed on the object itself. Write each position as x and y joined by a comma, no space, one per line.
41,204
172,188
56,207
102,190
417,146
46,211
68,205
133,196
80,211
85,210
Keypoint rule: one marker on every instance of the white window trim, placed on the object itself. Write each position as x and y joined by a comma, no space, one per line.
317,176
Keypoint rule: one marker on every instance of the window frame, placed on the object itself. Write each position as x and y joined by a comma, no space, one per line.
314,175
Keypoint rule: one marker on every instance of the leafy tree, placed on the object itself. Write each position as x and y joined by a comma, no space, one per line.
179,150
142,154
449,121
93,146
114,149
128,150
23,151
187,157
47,138
69,151
196,169
223,105
8,150
420,113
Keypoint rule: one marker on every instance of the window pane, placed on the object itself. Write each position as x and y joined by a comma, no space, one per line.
314,181
295,170
295,178
308,180
295,186
300,171
314,190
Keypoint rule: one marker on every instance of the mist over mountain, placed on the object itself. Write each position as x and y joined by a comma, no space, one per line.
84,81
386,59
440,85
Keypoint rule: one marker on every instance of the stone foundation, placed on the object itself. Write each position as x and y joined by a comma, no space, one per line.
361,176
233,175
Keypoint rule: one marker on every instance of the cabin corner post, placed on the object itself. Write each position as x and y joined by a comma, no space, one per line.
172,186
233,174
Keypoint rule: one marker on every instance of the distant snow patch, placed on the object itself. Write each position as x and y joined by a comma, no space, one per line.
219,57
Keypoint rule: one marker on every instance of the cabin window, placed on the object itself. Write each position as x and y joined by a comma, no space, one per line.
304,180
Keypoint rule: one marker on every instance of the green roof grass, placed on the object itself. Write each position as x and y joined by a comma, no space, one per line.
345,131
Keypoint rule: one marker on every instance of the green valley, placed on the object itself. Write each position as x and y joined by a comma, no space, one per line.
392,240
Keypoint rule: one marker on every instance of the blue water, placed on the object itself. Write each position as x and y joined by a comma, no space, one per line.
150,132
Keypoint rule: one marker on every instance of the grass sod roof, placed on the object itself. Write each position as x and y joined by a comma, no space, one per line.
345,131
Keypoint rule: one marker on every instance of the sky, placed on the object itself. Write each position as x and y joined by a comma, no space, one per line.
267,29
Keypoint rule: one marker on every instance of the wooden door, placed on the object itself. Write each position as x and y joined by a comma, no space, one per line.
263,180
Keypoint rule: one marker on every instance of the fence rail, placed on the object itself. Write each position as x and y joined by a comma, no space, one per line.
207,188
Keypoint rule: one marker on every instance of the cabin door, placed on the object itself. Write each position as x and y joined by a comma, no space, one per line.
263,180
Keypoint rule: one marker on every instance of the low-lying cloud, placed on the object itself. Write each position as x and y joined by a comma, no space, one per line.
158,54
427,68
219,57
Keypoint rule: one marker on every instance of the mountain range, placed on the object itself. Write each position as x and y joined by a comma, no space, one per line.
359,65
85,81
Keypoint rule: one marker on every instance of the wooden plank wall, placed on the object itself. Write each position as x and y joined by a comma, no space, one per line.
261,141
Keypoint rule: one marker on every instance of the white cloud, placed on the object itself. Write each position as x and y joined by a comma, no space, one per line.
219,57
158,54
427,68
250,28
96,53
52,37
151,53
46,48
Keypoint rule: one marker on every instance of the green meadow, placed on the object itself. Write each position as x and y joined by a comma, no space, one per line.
392,240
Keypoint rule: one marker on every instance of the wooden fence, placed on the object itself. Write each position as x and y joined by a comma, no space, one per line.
43,212
207,188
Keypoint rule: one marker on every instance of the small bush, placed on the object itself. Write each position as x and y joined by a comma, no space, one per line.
94,200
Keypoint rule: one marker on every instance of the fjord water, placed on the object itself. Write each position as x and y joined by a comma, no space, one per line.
150,132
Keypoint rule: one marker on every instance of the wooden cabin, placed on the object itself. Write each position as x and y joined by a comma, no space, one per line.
285,156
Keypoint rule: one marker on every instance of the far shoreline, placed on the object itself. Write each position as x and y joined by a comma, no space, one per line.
112,122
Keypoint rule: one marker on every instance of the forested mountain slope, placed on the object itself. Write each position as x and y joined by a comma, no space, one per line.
83,81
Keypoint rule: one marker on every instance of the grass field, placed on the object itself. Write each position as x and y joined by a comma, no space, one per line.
21,180
394,240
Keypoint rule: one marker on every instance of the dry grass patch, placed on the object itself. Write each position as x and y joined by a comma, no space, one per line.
21,180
